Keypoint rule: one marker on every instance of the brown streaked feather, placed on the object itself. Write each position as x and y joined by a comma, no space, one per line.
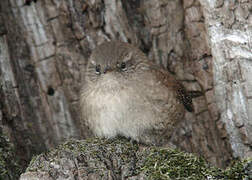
170,82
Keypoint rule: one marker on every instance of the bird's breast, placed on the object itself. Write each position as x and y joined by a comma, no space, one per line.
127,106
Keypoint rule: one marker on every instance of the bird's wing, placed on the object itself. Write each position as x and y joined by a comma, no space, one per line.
170,82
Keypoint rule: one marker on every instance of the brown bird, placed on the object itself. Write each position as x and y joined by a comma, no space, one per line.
125,94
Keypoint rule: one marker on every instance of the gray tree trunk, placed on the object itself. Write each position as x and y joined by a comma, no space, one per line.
229,27
44,48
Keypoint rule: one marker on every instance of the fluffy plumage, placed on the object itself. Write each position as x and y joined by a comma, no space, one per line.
125,94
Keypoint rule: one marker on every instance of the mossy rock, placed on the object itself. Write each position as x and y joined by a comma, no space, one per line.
121,159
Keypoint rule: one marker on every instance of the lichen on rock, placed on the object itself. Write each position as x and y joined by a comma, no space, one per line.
9,167
120,159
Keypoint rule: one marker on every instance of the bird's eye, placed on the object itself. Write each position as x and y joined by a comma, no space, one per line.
98,69
123,66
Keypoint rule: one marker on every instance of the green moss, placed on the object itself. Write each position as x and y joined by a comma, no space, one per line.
171,164
161,164
236,169
97,155
9,167
30,125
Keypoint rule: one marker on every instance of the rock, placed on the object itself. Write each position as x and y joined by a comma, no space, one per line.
121,159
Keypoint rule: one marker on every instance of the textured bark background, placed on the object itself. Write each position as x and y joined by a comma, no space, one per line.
44,48
229,27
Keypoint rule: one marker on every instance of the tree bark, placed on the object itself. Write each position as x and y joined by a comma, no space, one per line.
44,48
229,27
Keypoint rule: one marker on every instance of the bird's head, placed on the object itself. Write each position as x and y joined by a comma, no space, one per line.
116,58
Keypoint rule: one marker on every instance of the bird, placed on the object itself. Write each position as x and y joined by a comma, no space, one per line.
126,94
